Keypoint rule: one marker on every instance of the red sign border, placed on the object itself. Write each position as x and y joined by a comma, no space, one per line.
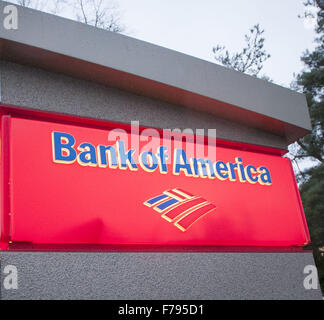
8,111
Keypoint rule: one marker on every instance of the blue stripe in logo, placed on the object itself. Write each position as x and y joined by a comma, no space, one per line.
166,204
156,199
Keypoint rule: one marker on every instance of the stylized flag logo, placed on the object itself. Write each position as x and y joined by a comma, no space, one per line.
180,207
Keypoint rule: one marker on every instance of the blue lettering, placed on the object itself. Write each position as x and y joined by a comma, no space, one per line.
62,144
181,163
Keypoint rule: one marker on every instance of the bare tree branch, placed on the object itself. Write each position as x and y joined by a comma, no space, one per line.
51,6
83,12
98,13
250,60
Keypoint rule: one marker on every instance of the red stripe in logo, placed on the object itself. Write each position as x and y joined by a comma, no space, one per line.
187,220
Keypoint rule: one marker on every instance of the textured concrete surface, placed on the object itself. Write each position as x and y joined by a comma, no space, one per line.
34,88
156,64
159,276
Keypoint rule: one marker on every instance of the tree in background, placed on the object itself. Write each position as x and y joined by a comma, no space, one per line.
102,14
250,60
50,6
311,83
99,13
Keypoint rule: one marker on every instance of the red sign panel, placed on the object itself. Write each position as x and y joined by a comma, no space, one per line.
70,184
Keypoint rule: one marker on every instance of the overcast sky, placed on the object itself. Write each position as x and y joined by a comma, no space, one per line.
194,27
